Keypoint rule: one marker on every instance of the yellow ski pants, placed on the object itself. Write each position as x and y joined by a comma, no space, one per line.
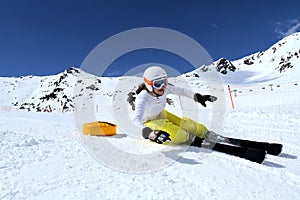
178,128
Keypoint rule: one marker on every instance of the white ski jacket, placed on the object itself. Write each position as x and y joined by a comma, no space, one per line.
148,107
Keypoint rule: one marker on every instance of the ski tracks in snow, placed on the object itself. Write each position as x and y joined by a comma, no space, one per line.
273,124
42,157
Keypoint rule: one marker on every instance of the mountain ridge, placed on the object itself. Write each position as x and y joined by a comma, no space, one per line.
272,63
280,62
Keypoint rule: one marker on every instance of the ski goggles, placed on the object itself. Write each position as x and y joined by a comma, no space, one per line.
158,84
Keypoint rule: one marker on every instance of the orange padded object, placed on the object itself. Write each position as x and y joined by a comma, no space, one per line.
99,128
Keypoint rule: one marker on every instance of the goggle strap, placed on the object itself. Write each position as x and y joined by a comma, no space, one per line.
148,82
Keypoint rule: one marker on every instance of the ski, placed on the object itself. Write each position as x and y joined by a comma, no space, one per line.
254,155
270,148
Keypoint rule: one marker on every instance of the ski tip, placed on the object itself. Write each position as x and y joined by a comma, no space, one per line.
274,149
255,155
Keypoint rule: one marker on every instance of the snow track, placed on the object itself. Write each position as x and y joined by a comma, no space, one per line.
42,157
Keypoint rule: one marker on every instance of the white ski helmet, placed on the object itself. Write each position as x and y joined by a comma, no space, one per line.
153,73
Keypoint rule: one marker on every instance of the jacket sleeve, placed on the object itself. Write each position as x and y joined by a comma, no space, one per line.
140,104
181,91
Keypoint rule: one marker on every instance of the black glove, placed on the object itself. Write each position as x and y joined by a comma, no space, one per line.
160,136
203,98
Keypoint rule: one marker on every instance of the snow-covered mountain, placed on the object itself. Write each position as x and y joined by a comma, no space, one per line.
44,94
279,63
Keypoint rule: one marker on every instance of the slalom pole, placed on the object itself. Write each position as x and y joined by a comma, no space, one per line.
232,104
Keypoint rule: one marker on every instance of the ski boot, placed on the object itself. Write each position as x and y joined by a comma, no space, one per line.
214,137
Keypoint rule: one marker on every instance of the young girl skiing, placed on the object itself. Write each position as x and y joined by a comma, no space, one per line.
158,124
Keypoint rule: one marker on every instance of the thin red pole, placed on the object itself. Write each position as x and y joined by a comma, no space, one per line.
232,104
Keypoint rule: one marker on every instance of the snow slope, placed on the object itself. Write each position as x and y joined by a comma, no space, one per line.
45,156
42,157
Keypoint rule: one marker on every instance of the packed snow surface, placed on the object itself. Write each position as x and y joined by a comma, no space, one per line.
42,157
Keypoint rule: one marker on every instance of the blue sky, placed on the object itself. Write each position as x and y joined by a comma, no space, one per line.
45,37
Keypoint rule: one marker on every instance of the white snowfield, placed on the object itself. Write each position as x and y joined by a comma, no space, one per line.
45,156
